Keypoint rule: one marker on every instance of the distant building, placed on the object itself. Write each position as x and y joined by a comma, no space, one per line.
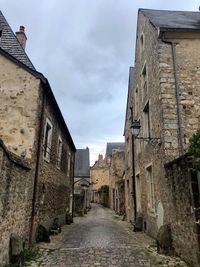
82,181
107,184
114,146
82,166
33,129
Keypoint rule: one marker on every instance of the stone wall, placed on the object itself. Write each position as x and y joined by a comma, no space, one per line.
159,96
55,184
187,62
148,154
19,108
15,180
182,208
99,176
116,174
109,171
128,184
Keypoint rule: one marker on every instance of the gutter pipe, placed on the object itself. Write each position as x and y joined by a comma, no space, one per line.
180,130
38,153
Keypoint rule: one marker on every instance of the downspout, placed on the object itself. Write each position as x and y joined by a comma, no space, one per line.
180,130
38,153
133,170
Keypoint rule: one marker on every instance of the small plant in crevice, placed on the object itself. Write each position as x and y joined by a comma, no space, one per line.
194,148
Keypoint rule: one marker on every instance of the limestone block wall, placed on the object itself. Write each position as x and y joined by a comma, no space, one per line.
128,186
180,212
15,180
148,154
160,94
116,173
55,184
187,61
99,176
19,108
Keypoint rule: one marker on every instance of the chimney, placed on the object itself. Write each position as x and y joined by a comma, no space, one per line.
21,36
100,157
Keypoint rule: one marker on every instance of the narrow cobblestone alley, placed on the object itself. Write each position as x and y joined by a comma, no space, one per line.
102,239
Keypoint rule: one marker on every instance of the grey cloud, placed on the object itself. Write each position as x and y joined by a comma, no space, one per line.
85,49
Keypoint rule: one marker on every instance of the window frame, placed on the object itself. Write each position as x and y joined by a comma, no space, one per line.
138,192
144,81
147,121
151,189
47,140
59,152
68,164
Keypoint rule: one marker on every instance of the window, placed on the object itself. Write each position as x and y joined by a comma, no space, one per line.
144,82
47,140
127,183
59,152
151,194
68,164
138,193
136,101
146,122
142,42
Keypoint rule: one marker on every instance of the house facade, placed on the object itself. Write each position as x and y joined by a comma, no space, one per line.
82,181
33,129
165,101
107,178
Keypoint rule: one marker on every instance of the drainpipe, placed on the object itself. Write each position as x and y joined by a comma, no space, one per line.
38,153
180,130
133,170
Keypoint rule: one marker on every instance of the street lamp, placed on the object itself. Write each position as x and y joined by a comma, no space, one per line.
135,130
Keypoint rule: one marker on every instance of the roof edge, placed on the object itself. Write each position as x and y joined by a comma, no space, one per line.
45,82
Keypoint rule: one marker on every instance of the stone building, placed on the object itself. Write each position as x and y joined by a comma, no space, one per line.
82,181
33,128
100,177
129,180
107,184
164,92
116,177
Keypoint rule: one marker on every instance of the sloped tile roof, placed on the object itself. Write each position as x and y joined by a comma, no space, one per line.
177,20
10,44
82,163
114,145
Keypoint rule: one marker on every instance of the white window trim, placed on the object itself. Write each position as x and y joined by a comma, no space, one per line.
47,156
151,191
59,152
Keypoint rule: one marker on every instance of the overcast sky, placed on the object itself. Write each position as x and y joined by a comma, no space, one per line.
85,49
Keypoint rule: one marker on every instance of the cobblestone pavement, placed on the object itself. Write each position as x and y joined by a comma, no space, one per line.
102,239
